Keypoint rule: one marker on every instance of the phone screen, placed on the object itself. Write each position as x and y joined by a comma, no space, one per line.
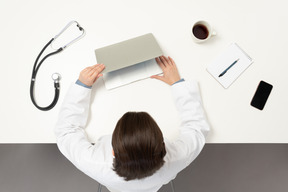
261,95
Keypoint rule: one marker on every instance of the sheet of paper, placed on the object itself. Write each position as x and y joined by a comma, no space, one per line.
224,60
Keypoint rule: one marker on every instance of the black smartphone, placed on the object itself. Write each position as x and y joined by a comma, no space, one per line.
261,95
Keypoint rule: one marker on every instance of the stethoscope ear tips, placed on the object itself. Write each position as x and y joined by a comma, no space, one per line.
56,77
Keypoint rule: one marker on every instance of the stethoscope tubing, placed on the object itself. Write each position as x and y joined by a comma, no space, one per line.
33,79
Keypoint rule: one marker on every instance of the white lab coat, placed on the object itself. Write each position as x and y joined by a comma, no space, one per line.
96,160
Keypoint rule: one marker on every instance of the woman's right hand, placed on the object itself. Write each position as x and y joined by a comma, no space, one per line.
169,68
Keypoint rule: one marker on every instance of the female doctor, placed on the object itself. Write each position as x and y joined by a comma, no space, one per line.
135,158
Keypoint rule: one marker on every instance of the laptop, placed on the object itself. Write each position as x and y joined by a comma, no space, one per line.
129,61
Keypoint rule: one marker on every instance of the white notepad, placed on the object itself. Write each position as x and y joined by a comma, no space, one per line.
225,60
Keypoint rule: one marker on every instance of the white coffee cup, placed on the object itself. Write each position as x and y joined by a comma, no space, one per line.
202,31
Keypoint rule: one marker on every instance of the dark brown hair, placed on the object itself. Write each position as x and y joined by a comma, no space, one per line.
138,146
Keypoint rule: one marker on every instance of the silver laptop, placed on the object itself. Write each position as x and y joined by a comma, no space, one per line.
129,61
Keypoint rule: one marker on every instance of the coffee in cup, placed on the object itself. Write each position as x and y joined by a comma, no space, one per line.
202,31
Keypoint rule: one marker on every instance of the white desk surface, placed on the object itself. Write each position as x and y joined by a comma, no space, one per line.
259,27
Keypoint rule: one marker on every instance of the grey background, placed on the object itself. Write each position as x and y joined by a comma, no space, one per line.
219,168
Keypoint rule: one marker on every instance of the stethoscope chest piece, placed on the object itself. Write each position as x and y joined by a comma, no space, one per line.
55,76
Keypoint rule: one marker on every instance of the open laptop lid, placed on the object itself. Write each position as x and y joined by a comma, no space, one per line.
129,52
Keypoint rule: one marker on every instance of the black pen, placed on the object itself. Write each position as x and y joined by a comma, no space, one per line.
228,68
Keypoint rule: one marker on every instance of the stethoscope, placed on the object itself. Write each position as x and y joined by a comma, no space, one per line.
55,76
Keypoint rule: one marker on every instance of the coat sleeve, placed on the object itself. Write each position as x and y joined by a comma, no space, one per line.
71,138
194,126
